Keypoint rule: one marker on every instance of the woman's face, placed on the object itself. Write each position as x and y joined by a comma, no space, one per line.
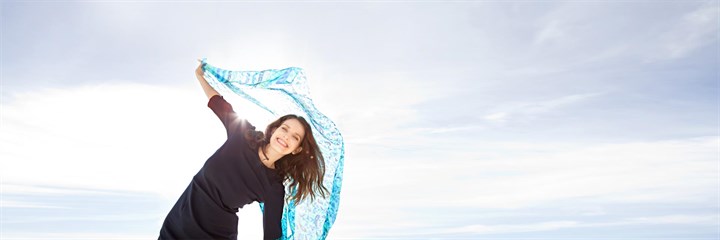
287,138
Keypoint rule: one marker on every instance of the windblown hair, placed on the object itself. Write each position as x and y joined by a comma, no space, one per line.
304,170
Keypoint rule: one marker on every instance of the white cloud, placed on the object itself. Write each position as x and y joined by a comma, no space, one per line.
29,190
675,219
651,172
75,235
590,34
515,176
19,204
482,229
552,31
490,229
694,30
528,110
89,218
497,117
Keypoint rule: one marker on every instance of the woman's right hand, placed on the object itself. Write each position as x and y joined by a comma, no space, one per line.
200,74
199,71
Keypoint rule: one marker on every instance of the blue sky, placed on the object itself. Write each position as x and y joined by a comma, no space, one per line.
464,119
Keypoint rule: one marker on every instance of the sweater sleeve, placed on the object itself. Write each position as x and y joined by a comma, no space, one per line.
227,115
272,215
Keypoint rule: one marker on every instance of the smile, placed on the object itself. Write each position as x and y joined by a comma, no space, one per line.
282,143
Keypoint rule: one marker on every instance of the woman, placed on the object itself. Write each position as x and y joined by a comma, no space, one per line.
250,166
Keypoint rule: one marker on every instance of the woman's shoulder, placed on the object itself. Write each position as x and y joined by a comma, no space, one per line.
246,132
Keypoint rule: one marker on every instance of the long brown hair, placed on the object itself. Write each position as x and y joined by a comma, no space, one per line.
304,170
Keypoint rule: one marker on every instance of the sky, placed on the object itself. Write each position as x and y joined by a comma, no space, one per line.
461,119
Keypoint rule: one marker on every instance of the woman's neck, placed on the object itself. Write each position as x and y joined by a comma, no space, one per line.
268,156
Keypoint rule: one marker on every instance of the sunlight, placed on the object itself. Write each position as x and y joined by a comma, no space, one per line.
115,130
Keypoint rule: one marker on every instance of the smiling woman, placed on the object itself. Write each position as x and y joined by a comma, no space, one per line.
251,166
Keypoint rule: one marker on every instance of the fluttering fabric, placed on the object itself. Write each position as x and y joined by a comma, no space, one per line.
280,92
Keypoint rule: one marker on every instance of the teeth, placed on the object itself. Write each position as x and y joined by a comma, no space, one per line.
281,142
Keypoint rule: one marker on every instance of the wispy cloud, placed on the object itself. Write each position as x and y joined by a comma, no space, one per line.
552,31
694,30
506,111
18,204
637,32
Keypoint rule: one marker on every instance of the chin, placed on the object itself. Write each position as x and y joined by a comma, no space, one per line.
279,148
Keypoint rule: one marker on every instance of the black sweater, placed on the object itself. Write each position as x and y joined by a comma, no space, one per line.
231,178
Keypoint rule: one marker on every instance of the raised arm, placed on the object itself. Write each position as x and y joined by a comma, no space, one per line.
200,74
